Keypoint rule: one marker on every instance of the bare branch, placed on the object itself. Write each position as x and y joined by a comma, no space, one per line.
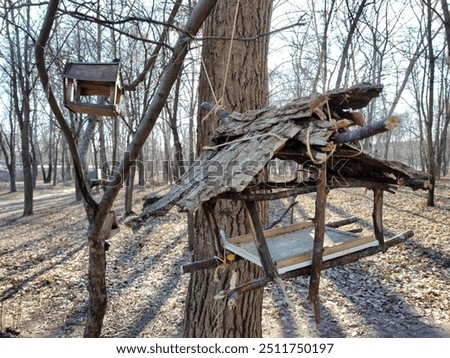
151,61
110,24
257,37
367,131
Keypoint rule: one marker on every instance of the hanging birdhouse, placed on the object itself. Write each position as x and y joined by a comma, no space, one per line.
93,88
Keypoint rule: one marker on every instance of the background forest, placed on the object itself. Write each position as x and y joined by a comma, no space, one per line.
315,46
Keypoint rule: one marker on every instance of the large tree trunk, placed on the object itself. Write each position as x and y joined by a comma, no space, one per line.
243,89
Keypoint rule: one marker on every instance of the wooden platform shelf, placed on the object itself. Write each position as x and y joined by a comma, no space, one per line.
291,246
93,108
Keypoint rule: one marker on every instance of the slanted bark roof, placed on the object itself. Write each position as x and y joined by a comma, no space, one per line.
305,131
93,71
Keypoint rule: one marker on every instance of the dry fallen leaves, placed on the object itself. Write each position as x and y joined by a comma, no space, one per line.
402,293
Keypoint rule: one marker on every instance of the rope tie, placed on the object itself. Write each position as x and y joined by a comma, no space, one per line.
310,154
219,102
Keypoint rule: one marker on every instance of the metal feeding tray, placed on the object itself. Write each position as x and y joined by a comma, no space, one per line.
291,246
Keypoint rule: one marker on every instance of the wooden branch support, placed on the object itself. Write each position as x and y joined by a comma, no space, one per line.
249,196
208,210
278,220
319,235
212,262
377,215
367,131
299,188
338,223
260,241
249,286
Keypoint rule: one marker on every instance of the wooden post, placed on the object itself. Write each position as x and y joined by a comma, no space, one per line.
260,241
377,215
112,95
319,235
208,210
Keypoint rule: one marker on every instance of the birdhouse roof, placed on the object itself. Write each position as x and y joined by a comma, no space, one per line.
93,72
302,131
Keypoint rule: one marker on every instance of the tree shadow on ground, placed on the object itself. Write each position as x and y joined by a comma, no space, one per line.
115,292
389,315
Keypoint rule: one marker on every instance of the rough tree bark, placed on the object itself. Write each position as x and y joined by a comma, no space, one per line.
244,88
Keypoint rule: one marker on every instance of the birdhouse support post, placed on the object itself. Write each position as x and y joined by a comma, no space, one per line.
319,236
377,215
260,240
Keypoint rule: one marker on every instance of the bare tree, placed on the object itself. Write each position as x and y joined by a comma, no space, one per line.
244,87
99,214
8,147
21,78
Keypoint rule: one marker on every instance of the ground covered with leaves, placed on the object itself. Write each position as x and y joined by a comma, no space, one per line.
43,279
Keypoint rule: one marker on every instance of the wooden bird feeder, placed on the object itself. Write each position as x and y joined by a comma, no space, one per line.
309,131
93,88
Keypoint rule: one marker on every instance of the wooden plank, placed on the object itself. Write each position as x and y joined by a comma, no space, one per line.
329,260
352,256
271,232
92,108
305,259
91,89
68,89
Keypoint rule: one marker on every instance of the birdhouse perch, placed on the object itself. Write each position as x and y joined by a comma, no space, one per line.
83,82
